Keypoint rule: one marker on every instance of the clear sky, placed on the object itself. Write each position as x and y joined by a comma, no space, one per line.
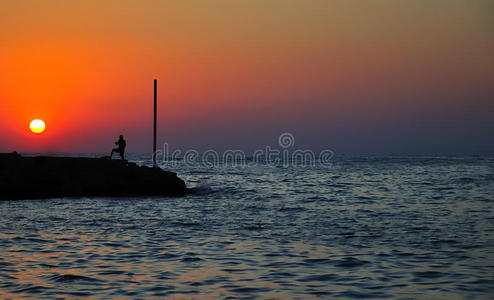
408,76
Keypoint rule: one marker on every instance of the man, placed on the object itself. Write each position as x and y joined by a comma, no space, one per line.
121,147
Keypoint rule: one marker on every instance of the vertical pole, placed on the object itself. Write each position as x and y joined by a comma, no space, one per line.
154,129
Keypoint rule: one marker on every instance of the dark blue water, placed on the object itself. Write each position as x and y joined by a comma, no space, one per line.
401,227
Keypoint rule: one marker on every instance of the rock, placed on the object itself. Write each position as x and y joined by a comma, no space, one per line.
53,177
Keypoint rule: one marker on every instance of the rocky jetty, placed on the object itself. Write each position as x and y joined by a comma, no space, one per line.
53,177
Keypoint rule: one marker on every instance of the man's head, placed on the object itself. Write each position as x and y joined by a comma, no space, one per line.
121,137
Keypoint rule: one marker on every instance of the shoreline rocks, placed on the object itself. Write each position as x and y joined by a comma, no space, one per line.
41,177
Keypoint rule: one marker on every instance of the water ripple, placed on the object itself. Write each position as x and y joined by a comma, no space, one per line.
366,228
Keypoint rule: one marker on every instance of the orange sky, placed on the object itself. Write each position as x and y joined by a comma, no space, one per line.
237,73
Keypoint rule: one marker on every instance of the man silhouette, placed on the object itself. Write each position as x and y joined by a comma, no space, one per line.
121,147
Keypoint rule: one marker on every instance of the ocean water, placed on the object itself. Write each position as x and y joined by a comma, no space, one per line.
362,227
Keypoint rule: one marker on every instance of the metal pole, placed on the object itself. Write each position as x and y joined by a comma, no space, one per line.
154,131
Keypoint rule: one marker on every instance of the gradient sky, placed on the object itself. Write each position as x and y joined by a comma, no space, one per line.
383,77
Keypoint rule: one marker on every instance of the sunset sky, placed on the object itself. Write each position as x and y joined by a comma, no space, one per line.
383,77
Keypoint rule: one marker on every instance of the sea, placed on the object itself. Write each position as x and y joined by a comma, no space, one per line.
398,227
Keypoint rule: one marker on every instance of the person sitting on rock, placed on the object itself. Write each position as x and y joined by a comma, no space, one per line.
121,147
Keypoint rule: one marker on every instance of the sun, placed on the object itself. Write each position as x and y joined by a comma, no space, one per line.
37,126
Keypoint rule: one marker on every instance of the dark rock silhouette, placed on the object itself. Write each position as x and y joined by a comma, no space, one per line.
52,177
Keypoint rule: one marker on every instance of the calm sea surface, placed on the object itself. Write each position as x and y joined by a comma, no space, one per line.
396,227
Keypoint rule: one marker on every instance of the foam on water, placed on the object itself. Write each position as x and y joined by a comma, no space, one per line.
399,227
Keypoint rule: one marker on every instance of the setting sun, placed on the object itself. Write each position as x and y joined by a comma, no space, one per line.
37,126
